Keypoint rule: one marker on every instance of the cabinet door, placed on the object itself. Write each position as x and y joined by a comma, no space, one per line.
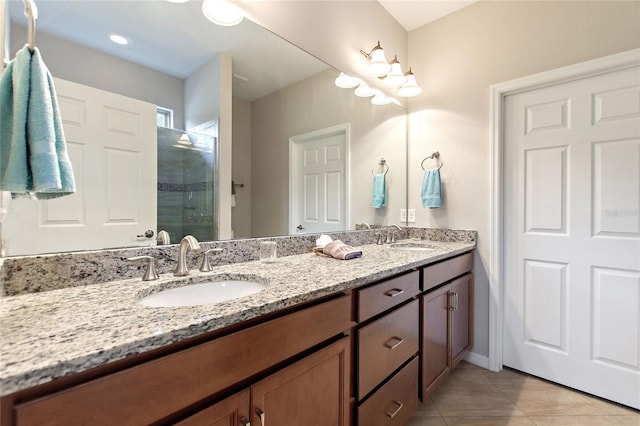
460,299
312,392
435,338
232,411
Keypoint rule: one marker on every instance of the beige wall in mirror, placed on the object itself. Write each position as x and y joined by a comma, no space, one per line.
257,141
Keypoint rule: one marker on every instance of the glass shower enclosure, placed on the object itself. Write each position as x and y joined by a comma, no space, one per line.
187,190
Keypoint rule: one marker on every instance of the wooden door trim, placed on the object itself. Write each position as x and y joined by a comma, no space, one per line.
498,94
294,145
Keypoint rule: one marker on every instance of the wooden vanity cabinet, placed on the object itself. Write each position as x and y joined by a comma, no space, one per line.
446,318
312,392
163,390
387,345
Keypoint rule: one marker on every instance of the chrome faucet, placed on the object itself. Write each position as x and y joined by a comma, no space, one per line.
188,242
391,235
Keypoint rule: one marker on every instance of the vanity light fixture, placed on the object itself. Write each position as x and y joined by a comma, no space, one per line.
378,65
380,99
396,77
222,12
391,73
364,91
345,81
410,88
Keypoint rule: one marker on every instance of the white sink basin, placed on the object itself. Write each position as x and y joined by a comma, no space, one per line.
204,293
413,245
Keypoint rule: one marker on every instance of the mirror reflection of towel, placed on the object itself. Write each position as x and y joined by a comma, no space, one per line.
431,192
379,195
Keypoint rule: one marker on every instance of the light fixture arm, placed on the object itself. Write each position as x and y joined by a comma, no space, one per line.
368,55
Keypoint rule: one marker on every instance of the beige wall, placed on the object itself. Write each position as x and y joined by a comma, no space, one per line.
241,168
313,104
455,60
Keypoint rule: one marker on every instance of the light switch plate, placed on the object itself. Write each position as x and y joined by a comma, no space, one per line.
412,215
403,215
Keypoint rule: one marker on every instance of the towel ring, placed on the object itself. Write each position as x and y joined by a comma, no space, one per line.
383,164
434,156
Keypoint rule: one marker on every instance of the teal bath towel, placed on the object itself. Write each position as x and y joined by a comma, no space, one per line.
379,195
33,152
431,193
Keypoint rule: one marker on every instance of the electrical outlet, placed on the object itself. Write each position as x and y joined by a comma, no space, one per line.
403,215
412,215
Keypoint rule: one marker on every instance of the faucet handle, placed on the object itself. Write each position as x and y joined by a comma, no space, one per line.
206,266
379,238
150,274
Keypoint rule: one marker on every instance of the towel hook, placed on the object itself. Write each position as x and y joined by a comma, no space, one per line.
383,164
434,156
31,12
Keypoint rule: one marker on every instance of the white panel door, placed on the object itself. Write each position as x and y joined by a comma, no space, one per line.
572,234
319,182
113,150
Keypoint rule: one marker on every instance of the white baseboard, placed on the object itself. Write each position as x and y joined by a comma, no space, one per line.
477,359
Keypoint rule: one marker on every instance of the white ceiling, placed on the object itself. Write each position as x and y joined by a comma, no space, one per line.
412,14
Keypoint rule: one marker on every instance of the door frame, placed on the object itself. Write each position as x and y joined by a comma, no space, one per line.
498,93
295,142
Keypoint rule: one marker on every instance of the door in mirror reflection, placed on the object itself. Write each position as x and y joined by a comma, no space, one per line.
112,147
318,193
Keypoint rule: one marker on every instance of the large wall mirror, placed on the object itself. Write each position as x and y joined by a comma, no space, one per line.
289,122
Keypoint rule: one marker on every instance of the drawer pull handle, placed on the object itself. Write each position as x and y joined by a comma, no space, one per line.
245,422
394,292
452,301
261,414
400,405
397,340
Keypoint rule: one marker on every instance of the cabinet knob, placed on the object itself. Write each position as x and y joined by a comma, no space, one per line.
393,414
245,422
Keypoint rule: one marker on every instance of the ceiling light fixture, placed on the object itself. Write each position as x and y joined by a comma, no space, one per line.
222,12
119,39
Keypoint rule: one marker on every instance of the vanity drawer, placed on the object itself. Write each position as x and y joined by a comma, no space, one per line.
394,403
386,294
385,344
151,391
444,271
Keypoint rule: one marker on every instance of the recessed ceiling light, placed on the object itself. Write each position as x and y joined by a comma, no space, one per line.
177,1
119,39
222,12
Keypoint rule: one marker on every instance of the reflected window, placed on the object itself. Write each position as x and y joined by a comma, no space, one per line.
165,117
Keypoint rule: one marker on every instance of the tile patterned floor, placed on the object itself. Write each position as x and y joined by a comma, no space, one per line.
475,396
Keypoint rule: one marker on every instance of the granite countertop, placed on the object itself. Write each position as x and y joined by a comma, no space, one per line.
55,333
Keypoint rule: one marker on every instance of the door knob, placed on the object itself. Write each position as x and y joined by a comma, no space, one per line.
147,234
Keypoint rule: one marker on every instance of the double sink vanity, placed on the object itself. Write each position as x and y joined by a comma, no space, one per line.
315,341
